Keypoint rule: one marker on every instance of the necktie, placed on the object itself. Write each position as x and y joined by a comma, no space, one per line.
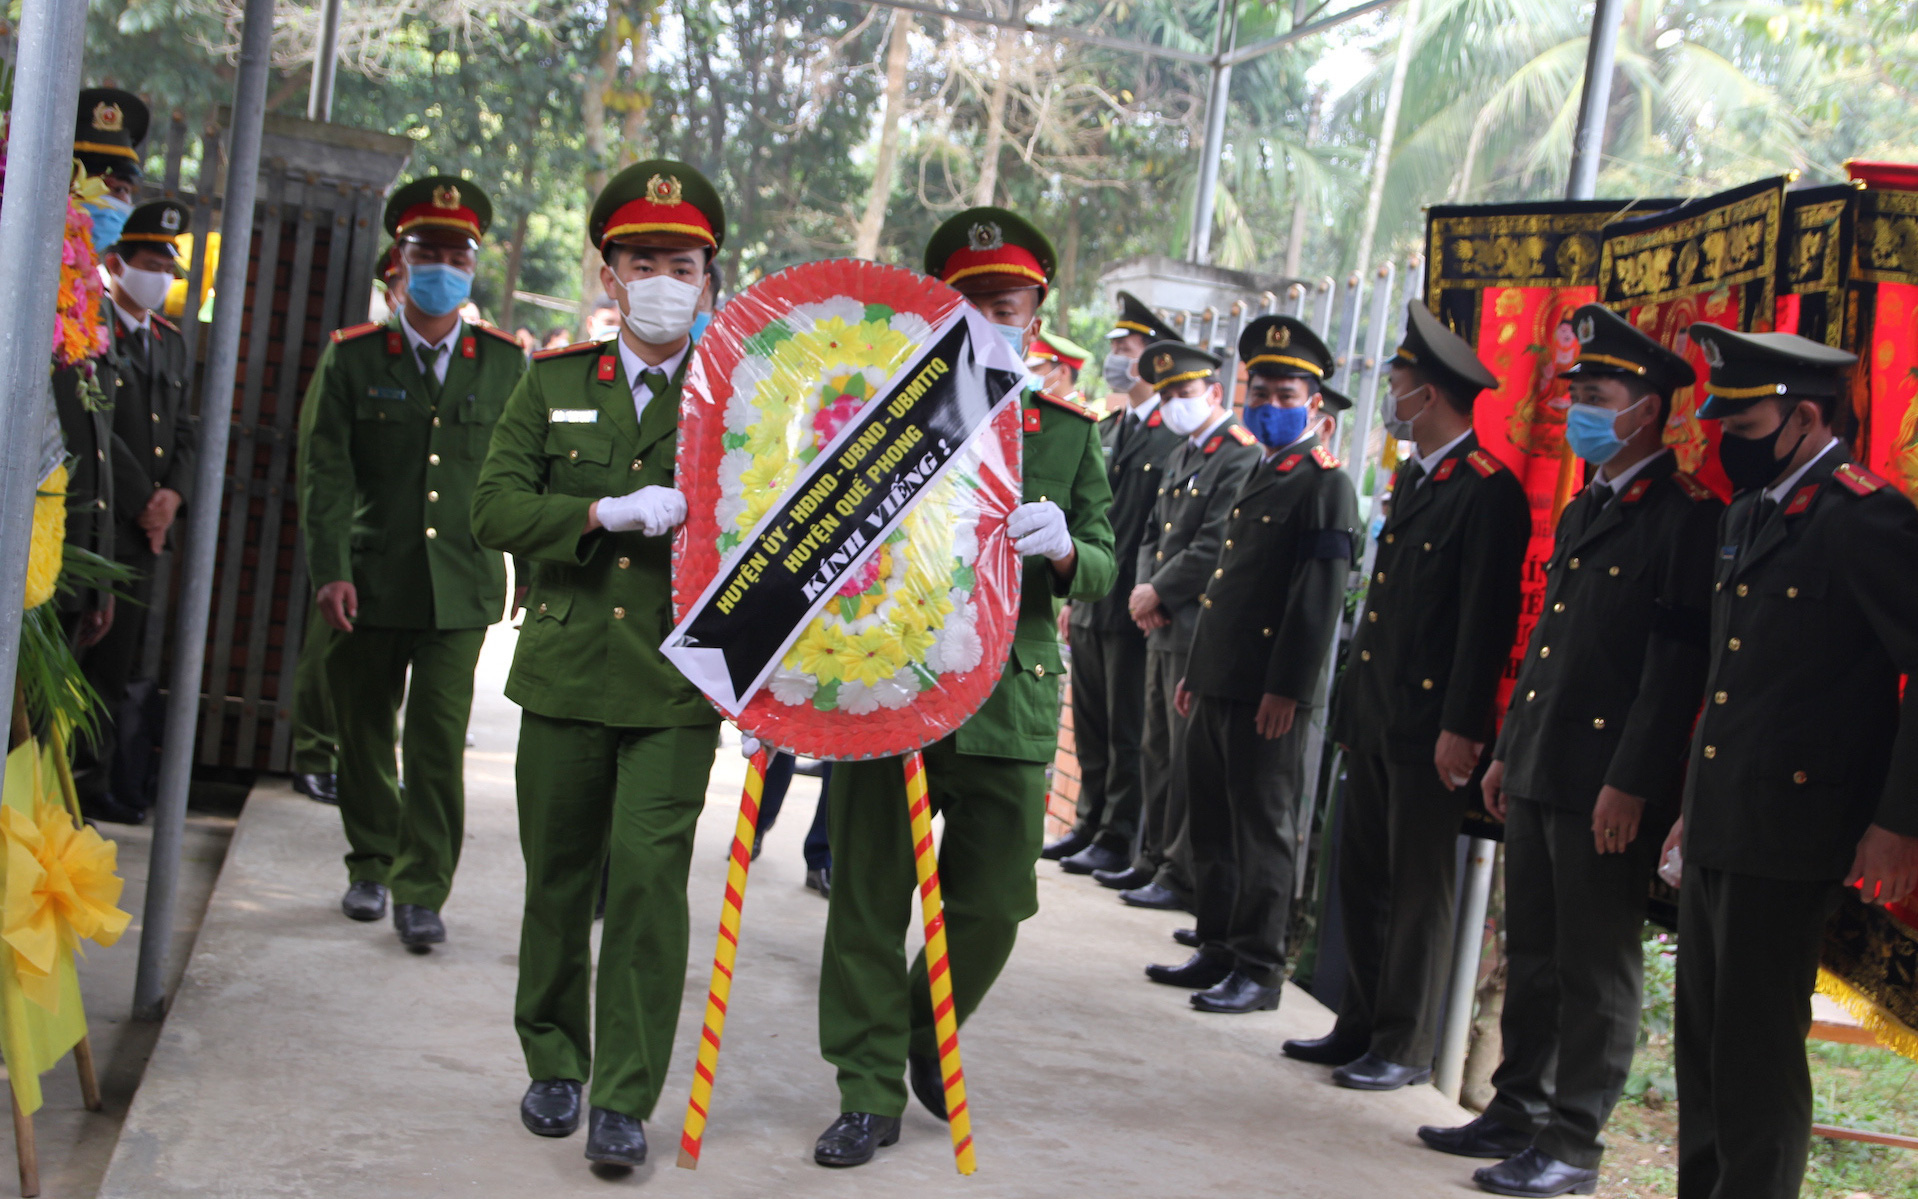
142,349
1125,431
1601,496
655,381
1413,476
1762,513
429,367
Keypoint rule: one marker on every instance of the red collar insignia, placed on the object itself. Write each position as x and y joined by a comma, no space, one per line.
1217,441
1445,470
1031,416
1152,422
469,345
1801,499
608,367
1637,490
1288,462
395,344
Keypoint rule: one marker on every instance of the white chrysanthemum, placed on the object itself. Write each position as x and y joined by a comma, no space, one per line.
897,691
733,465
959,647
913,326
741,413
857,698
728,511
792,688
960,599
965,541
804,317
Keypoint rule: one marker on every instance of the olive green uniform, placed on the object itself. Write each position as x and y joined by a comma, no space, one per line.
1803,742
987,779
1441,612
90,493
1177,555
388,460
1267,621
615,745
1108,649
155,445
1606,697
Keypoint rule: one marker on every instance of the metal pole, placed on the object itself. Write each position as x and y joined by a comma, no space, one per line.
32,227
1215,106
203,527
1465,954
1588,144
326,61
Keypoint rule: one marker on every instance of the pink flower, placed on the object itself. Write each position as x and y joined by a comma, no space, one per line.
859,580
833,417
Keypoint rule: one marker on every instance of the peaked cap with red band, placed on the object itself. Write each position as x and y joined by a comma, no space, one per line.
990,249
659,203
1053,347
438,208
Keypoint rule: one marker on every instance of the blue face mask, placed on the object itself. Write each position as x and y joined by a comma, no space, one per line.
1591,431
1276,427
435,288
700,321
109,215
1015,336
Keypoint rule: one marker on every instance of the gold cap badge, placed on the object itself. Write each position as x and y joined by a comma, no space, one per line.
1587,330
446,197
986,236
1714,357
170,220
107,117
665,189
1161,364
1278,336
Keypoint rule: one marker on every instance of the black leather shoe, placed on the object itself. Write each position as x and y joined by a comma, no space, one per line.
1328,1050
364,901
1197,972
1535,1173
1239,992
615,1139
854,1137
821,881
1093,857
1188,937
927,1083
111,810
1122,880
419,928
1158,898
1483,1137
1065,846
1374,1073
550,1107
323,788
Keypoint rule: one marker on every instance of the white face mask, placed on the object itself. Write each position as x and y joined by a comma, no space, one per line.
660,308
1395,426
146,288
1186,414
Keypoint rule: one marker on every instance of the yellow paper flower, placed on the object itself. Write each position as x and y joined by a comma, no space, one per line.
817,652
49,538
871,656
61,888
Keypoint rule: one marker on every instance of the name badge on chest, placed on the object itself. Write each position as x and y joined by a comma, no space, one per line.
573,416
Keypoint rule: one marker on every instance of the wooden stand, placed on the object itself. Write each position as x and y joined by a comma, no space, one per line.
27,1148
1853,1034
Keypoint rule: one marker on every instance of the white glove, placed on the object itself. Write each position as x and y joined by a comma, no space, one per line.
1040,529
654,511
748,745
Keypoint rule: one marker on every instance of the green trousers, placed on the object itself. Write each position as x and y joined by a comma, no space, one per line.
872,1008
628,799
408,840
316,742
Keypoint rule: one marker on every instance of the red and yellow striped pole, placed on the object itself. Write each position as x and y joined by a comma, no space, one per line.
724,955
939,969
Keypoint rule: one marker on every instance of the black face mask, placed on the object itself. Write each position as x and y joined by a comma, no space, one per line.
1752,462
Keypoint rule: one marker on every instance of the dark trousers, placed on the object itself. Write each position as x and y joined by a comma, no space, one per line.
1747,965
1398,872
1108,719
1243,814
316,740
109,665
772,799
1164,847
1574,921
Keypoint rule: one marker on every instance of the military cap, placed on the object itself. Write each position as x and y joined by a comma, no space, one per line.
1056,347
1337,401
1284,347
438,208
1167,362
1135,317
108,130
157,225
1608,344
1442,355
990,249
388,263
661,203
1748,367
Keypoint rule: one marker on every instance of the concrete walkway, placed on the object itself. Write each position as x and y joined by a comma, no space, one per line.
306,1055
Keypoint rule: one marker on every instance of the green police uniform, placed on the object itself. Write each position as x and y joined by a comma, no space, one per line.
1267,621
1441,612
615,744
1803,742
987,778
1108,648
1177,556
389,456
1611,682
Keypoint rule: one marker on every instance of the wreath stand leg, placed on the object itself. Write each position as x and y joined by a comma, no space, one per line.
693,1132
26,1148
89,1081
945,1021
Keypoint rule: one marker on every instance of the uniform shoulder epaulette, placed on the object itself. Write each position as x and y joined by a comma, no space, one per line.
502,334
1690,485
1326,458
1857,479
1241,434
356,332
578,347
1068,405
163,322
1484,463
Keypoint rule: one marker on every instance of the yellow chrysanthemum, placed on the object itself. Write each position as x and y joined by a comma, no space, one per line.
817,651
61,888
49,538
871,656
